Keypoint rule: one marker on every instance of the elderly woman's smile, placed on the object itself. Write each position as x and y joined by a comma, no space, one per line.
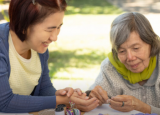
134,53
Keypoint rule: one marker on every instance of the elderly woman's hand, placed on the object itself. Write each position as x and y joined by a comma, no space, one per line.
100,94
83,103
126,103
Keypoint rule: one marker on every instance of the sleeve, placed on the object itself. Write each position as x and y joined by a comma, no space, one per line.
155,110
46,87
13,103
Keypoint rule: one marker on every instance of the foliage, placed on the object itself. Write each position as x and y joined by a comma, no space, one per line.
61,60
91,7
4,14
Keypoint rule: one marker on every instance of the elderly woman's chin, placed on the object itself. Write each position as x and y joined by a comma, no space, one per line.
136,68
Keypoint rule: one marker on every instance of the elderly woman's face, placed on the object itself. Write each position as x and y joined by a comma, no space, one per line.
134,53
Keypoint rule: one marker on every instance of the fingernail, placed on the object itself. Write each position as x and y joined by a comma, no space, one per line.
107,101
112,97
100,89
64,92
68,95
94,98
86,97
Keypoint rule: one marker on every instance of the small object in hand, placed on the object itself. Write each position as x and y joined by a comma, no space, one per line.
122,103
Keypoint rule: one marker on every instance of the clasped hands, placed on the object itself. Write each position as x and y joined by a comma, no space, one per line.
82,102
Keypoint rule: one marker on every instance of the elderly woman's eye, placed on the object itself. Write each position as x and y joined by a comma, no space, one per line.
136,48
121,51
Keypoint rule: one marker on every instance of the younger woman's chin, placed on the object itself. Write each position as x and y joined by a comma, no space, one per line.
41,51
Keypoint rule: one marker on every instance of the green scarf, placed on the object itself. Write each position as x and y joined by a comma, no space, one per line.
130,76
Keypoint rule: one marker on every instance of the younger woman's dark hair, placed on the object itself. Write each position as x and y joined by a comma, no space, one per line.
24,13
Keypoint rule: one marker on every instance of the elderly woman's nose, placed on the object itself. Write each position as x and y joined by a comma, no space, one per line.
130,55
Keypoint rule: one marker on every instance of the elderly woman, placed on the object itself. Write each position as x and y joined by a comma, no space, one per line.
129,78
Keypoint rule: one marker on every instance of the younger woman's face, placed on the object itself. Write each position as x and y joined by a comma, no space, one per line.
39,36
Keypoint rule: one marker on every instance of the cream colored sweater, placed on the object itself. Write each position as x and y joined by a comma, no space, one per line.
25,73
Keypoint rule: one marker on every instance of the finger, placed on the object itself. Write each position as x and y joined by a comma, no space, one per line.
119,98
70,91
122,109
83,96
63,92
82,101
92,95
78,91
60,92
103,94
89,107
116,103
96,94
100,103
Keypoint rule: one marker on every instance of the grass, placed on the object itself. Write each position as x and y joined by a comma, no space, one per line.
91,7
4,14
81,47
68,61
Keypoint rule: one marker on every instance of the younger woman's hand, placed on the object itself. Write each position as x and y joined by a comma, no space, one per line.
83,102
67,91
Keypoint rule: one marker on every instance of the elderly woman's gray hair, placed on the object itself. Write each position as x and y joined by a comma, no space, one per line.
126,23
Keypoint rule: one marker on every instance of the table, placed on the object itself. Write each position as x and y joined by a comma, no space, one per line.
36,113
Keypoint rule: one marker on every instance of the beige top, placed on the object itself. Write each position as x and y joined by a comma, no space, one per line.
25,73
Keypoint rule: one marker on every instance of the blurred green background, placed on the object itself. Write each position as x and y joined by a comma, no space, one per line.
91,7
82,44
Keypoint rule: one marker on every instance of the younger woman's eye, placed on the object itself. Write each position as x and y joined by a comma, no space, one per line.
48,31
59,27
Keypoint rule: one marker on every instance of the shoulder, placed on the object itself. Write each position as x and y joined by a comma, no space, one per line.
106,64
4,29
158,57
4,32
